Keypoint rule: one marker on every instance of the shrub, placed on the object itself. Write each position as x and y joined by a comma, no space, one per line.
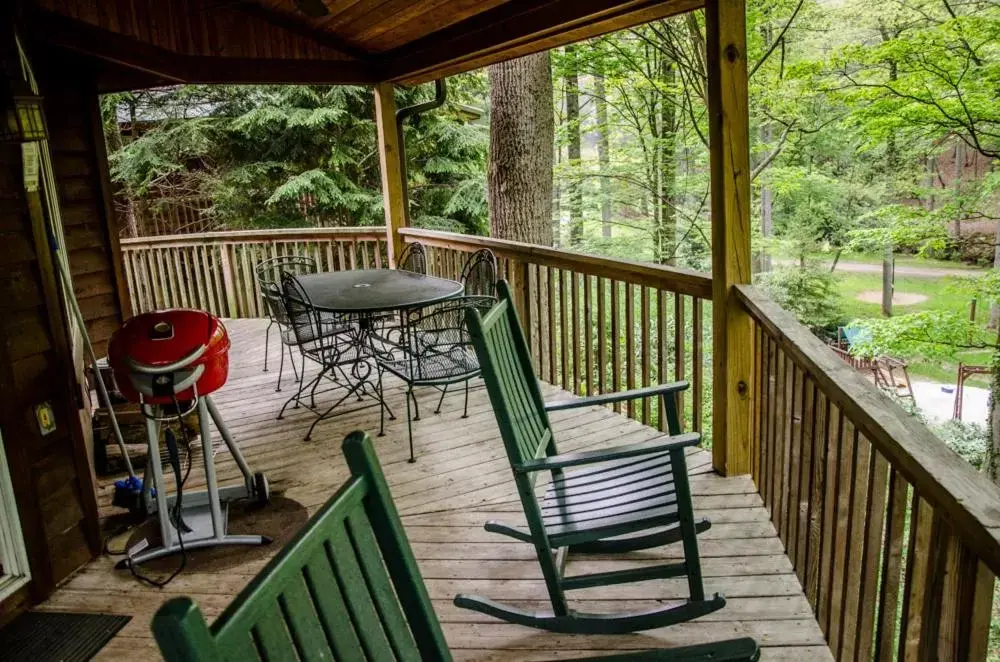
970,440
807,292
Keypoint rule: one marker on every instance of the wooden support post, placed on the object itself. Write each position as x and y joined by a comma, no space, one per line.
729,149
389,141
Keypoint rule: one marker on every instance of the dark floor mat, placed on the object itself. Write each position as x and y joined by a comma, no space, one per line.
36,636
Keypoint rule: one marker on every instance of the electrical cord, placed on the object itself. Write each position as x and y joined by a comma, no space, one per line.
175,514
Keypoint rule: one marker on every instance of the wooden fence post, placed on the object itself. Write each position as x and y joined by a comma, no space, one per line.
729,151
389,156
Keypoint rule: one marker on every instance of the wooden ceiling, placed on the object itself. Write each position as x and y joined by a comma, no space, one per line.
150,42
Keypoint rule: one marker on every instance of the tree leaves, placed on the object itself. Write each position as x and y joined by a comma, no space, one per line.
281,156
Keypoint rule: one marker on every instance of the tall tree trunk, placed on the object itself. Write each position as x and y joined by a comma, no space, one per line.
557,200
113,131
573,189
892,158
888,276
992,464
603,152
959,170
520,155
766,207
668,166
994,308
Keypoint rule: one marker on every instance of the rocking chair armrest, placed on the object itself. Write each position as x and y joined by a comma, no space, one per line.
618,396
607,454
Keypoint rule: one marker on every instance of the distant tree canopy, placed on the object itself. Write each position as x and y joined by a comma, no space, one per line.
281,156
850,105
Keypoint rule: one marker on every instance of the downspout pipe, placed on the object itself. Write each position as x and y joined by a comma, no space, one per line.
440,95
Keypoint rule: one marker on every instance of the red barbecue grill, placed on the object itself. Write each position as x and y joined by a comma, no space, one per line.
170,362
188,345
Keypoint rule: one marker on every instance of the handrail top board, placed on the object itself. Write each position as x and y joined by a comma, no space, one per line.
280,234
969,501
683,281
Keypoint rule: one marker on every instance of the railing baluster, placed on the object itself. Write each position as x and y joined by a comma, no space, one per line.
817,493
552,332
854,542
679,348
778,439
602,343
644,322
874,523
845,483
662,350
766,486
564,331
697,364
828,561
974,600
575,337
630,344
588,332
803,490
616,345
892,566
925,529
788,425
791,513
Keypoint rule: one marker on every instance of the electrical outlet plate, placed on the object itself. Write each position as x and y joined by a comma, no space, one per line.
46,418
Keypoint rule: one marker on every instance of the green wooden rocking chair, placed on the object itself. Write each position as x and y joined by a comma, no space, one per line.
347,588
617,499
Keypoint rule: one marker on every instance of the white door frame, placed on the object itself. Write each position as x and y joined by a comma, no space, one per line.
15,557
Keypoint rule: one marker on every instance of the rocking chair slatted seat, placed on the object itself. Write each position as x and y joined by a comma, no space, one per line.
348,588
617,499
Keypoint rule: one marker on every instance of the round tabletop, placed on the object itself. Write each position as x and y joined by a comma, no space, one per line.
374,290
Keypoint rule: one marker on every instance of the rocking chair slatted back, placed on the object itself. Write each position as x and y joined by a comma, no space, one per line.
346,587
524,425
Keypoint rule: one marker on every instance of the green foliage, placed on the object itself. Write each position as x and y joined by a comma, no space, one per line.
274,156
970,440
808,292
931,334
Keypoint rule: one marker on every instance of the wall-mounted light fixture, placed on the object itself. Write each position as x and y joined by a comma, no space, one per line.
23,119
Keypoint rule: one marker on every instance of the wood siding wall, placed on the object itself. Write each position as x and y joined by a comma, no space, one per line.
52,484
79,163
52,474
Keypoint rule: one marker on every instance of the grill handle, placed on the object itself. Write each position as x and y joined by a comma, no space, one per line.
180,363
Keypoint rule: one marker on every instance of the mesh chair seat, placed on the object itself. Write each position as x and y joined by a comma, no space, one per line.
331,324
446,365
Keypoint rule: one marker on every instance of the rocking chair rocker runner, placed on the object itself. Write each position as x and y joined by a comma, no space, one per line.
347,587
617,499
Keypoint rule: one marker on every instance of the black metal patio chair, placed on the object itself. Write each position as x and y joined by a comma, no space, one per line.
413,258
479,275
269,274
343,356
434,349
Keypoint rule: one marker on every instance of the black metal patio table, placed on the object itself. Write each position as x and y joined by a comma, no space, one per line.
367,295
370,291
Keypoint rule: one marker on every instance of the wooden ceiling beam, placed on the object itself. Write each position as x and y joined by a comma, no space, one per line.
515,29
165,66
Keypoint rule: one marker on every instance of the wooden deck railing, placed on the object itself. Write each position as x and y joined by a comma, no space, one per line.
599,324
895,538
214,271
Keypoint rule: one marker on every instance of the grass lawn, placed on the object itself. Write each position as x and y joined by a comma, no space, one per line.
941,295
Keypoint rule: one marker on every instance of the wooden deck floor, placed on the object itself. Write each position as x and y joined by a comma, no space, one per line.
460,480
